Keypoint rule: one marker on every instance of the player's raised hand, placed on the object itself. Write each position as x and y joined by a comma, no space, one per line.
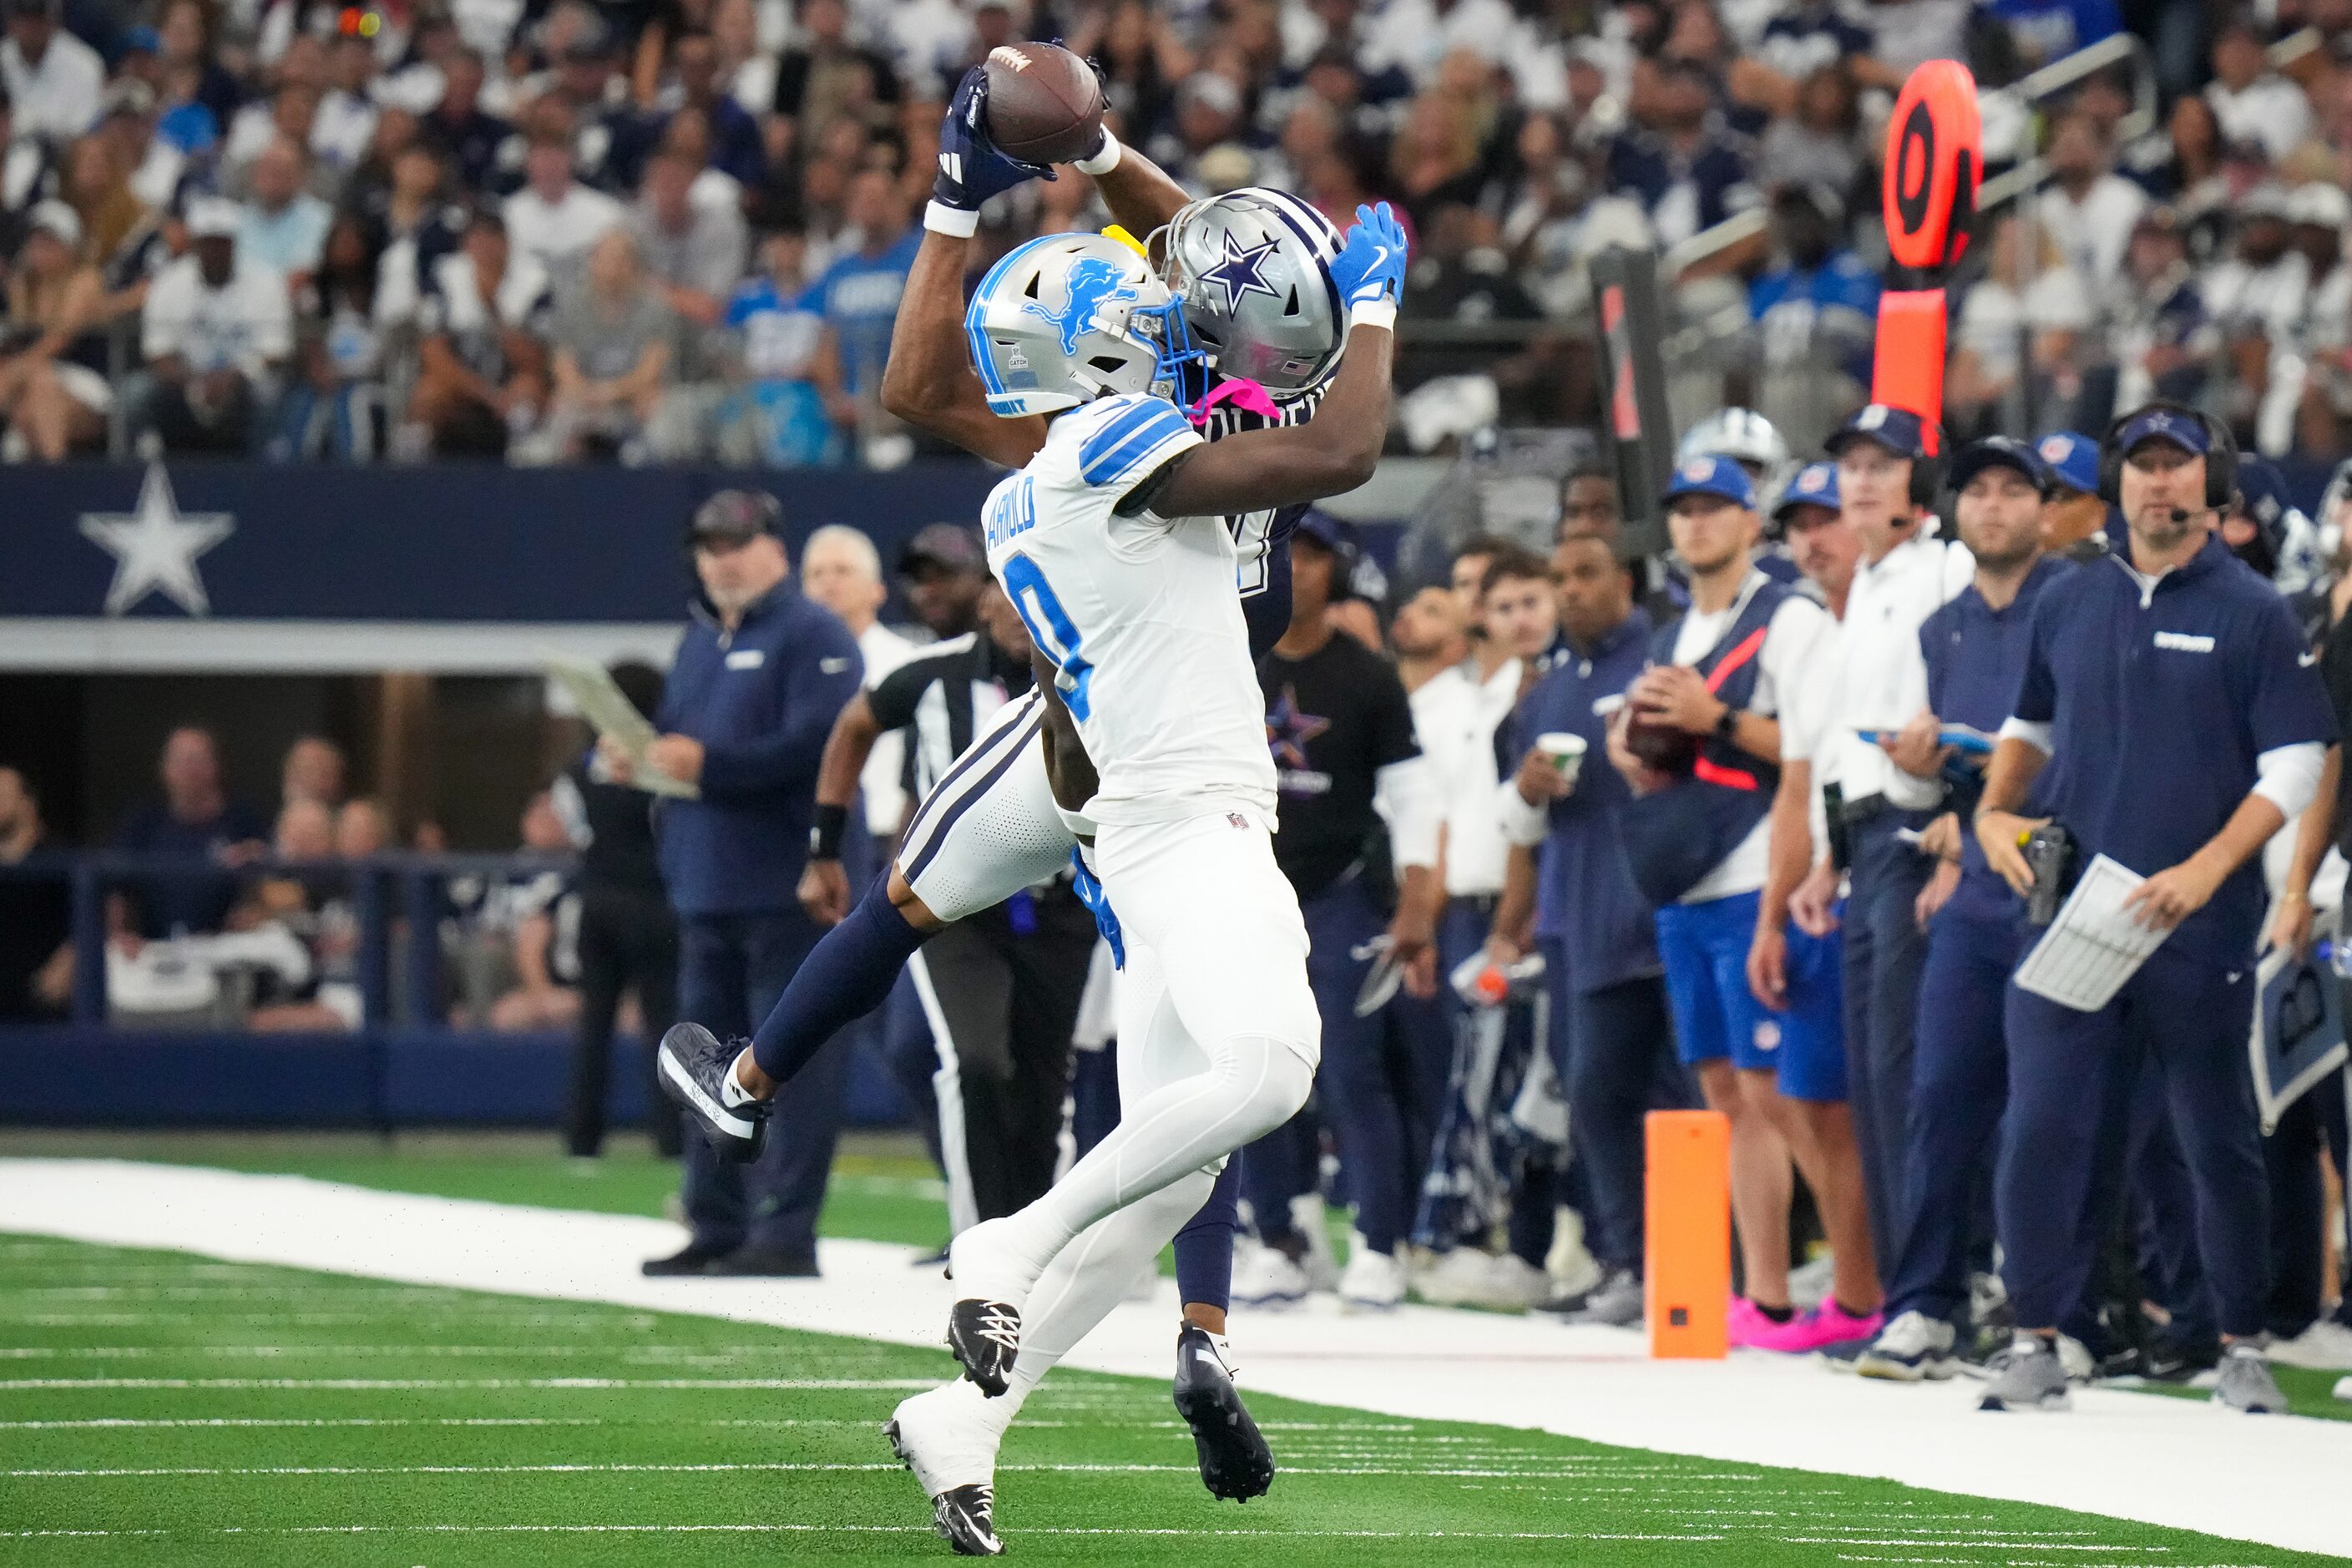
1371,265
972,169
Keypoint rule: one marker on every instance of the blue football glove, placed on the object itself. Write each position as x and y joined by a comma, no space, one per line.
971,168
1370,264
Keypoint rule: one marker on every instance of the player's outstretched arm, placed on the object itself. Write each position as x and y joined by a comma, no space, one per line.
1337,449
929,381
1139,193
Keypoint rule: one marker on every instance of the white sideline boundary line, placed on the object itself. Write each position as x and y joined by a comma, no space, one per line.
2275,1479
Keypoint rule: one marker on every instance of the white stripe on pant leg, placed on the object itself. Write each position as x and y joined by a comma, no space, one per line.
947,1089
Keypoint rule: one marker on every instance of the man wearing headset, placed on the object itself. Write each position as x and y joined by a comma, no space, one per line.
1877,745
2169,694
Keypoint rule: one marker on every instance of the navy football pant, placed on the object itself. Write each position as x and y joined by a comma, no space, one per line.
2191,1019
1884,953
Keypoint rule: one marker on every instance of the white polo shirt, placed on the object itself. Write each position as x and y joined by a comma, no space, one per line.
1879,679
1455,715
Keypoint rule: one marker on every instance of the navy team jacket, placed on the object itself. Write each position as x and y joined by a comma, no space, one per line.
761,699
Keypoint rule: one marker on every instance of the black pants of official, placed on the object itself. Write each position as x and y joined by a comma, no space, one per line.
627,940
1002,989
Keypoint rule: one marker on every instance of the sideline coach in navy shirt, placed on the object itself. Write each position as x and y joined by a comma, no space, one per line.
2168,694
759,678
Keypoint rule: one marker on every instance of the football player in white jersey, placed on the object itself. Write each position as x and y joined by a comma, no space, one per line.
992,826
1110,542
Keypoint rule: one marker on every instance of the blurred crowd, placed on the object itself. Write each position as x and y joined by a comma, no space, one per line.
680,229
227,916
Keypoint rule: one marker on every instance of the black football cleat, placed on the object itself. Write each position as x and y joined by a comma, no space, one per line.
694,1065
965,1519
985,1336
1235,1460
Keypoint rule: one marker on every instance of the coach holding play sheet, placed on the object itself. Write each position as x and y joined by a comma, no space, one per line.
2169,695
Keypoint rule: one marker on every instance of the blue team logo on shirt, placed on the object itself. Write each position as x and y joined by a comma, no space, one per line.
1093,283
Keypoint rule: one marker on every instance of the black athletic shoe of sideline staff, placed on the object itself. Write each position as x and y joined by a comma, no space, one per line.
964,1516
1235,1460
693,1064
985,1336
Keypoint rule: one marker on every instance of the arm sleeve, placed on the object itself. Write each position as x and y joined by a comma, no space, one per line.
786,757
2288,777
892,698
1405,794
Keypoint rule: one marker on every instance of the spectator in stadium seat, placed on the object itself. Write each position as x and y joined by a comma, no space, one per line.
859,293
215,335
554,219
52,396
775,329
826,76
482,369
362,829
546,917
616,343
1678,157
115,221
465,133
53,77
1816,314
36,914
2087,208
2023,319
193,818
333,402
736,143
693,252
314,769
2157,326
347,110
2251,100
282,226
183,31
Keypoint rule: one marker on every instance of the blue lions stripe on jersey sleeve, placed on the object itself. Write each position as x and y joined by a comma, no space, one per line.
1107,454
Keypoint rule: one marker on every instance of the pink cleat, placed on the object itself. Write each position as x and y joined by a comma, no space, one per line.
1827,1325
1748,1325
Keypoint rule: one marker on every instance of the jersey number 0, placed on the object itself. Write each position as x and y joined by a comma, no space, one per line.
1051,628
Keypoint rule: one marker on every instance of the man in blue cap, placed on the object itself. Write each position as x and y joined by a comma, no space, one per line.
2171,689
1975,650
1699,742
1885,774
1819,542
2074,519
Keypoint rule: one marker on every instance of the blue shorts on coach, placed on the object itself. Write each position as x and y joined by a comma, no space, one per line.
1705,950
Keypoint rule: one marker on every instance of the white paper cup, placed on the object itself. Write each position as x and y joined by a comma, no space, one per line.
1563,750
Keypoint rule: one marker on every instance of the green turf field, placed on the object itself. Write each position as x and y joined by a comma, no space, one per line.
158,1408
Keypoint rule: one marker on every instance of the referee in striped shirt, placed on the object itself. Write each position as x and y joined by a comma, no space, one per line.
1000,990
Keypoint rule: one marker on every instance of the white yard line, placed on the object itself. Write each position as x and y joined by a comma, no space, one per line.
2275,1479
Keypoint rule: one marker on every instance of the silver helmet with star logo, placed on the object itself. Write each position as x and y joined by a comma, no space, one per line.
1254,270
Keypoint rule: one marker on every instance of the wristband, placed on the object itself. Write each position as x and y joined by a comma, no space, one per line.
1374,313
1103,160
955,223
827,826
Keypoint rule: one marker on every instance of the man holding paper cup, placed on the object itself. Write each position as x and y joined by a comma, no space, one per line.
2168,693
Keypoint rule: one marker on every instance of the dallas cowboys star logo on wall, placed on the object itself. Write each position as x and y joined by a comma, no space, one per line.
1240,270
155,546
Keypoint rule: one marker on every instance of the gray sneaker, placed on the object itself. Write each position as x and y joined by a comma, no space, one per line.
2027,1376
1913,1347
2246,1383
1617,1301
